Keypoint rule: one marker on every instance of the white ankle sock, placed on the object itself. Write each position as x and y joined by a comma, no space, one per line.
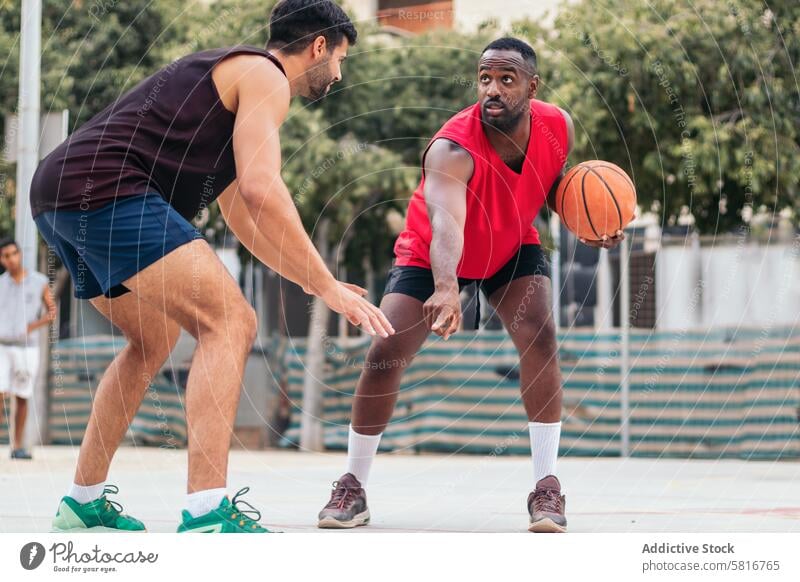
86,493
201,502
544,448
361,449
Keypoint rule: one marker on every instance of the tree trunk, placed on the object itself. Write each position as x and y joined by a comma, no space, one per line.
311,421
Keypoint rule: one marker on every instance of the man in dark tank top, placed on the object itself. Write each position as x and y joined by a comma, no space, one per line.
114,201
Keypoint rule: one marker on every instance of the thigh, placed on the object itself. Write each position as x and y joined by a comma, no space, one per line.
524,305
528,261
192,286
405,314
141,323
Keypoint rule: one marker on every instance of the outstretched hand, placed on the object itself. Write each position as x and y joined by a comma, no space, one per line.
348,299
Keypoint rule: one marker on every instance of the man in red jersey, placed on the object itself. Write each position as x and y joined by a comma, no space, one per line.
485,175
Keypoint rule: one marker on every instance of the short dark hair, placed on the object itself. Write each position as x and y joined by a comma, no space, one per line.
4,242
294,24
508,43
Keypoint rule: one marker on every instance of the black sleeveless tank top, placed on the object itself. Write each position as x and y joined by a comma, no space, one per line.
170,134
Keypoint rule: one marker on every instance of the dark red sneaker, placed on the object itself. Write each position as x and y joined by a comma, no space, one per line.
348,505
546,507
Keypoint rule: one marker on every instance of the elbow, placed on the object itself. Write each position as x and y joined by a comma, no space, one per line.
259,195
253,191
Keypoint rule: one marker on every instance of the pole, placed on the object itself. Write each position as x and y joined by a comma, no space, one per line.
28,131
27,160
624,367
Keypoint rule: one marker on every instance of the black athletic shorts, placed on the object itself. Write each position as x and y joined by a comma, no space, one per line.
417,282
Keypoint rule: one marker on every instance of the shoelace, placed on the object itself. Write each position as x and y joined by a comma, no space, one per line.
109,504
547,500
251,515
340,495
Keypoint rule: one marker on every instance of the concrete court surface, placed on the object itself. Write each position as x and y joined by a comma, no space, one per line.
432,493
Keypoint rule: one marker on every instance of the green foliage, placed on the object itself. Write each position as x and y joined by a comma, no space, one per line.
398,92
698,101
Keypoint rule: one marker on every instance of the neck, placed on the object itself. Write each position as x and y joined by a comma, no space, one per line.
515,139
17,275
294,67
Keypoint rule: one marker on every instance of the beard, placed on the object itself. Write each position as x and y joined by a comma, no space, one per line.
505,122
319,81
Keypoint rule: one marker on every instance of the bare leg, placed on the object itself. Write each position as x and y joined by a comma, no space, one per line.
20,416
524,308
193,287
378,386
151,336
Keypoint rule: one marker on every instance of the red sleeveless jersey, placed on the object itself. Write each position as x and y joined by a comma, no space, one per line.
501,204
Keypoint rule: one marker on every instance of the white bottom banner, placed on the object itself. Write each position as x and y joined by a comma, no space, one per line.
388,557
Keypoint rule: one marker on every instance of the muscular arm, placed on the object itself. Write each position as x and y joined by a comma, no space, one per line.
276,231
263,102
448,168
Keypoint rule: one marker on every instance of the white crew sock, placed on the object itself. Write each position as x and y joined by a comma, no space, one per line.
361,449
201,502
86,493
544,448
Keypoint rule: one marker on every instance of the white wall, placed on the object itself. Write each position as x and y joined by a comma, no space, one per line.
361,10
728,286
469,14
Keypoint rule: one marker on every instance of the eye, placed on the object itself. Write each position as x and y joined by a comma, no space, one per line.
507,80
484,78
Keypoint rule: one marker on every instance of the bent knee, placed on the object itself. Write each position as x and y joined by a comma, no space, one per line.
537,333
387,354
155,342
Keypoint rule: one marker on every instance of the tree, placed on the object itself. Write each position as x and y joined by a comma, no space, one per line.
696,100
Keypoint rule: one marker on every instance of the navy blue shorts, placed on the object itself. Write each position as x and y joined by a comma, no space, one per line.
103,247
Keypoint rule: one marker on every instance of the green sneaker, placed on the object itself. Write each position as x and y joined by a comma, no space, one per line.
229,517
100,515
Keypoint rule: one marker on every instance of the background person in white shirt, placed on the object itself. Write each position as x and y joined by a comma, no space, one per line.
22,295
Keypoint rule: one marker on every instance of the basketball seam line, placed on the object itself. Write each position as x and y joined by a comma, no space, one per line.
611,192
585,205
617,171
564,191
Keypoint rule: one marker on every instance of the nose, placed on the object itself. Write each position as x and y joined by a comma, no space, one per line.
492,90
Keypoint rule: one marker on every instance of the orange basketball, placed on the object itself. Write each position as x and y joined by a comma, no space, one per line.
595,198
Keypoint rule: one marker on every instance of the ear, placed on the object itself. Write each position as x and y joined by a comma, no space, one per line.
319,47
533,87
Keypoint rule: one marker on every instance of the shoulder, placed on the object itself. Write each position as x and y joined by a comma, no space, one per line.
553,114
547,110
447,156
245,75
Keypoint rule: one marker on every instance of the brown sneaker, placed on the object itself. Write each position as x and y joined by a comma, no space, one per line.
546,507
348,505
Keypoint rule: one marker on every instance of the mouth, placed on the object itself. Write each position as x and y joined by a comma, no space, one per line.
494,108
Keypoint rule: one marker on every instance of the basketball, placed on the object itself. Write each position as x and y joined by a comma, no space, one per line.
596,198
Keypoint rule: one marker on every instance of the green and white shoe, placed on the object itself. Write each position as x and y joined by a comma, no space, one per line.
98,516
229,517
